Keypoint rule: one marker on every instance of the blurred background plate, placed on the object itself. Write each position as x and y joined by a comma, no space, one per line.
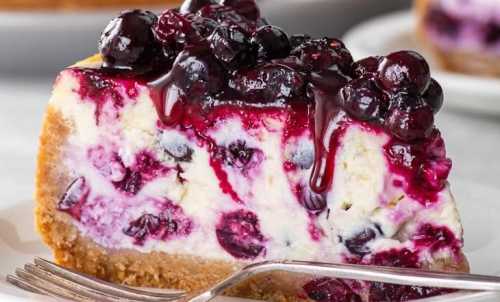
465,92
42,43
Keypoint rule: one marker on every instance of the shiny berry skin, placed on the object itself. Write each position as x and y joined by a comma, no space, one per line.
411,120
366,67
203,26
268,83
192,6
364,100
198,73
324,54
223,15
404,70
239,234
75,196
272,43
330,290
231,45
246,8
127,42
131,183
433,96
173,30
297,40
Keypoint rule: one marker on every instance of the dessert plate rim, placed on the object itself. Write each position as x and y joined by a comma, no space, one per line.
471,93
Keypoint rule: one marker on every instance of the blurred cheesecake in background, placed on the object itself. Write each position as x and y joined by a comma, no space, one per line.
78,4
464,35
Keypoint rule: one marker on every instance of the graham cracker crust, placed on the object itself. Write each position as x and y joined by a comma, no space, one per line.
475,63
156,269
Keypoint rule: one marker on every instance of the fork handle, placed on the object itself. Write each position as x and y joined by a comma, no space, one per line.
394,275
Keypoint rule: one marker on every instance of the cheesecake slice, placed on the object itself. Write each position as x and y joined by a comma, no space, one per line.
204,140
463,35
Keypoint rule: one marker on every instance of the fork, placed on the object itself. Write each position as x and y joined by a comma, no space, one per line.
47,278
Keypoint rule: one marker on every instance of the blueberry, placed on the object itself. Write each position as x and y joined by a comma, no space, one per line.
433,96
197,73
203,26
366,67
357,244
268,83
330,290
231,45
412,119
303,156
324,54
223,15
238,154
131,183
192,6
146,225
239,234
297,40
313,201
272,42
404,70
127,42
179,152
173,30
75,196
246,8
364,100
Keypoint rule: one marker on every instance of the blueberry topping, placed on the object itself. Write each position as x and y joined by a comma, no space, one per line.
297,40
203,26
324,54
231,45
193,6
366,67
224,15
411,119
363,100
246,8
239,234
433,96
173,30
127,42
272,43
404,70
268,83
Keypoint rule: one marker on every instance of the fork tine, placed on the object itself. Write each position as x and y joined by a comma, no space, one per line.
16,281
55,290
101,286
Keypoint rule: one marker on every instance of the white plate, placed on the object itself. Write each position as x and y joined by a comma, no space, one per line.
396,31
478,205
